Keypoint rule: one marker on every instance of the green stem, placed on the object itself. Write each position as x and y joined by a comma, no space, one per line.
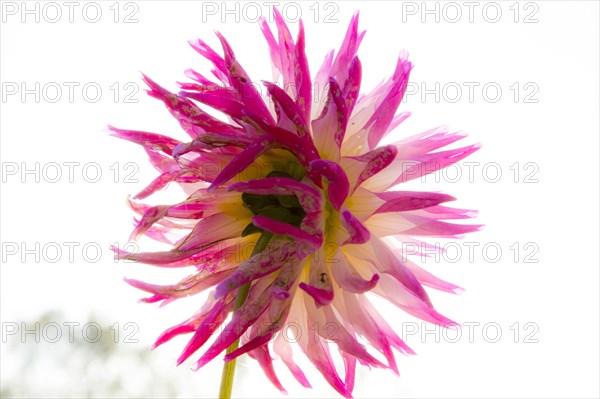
229,367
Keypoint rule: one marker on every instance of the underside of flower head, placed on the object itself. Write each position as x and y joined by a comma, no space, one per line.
291,195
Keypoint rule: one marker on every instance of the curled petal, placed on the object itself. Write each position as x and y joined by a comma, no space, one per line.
348,278
285,229
338,186
359,234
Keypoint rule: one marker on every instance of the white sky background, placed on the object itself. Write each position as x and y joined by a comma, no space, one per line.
541,132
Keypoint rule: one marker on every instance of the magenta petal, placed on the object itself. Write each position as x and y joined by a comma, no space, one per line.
379,123
401,201
329,129
321,296
302,75
285,229
338,186
277,254
392,265
249,346
240,80
282,348
348,278
343,59
290,108
375,161
350,369
205,330
359,234
148,140
241,162
151,216
309,197
352,85
262,355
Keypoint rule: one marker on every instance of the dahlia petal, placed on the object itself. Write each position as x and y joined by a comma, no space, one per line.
290,108
197,76
285,229
273,47
191,324
362,203
249,346
383,327
310,198
425,164
321,296
320,85
391,264
427,141
351,309
193,146
224,99
400,201
262,355
255,304
152,141
325,319
348,278
205,330
348,49
350,371
425,226
286,52
211,229
432,281
398,119
338,187
359,234
319,285
276,255
283,349
302,75
150,217
191,285
319,356
222,139
444,212
190,117
352,85
239,79
383,116
389,288
207,52
374,162
157,184
165,258
329,129
163,163
304,150
241,162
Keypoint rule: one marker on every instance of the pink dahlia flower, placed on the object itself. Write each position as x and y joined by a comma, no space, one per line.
289,208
